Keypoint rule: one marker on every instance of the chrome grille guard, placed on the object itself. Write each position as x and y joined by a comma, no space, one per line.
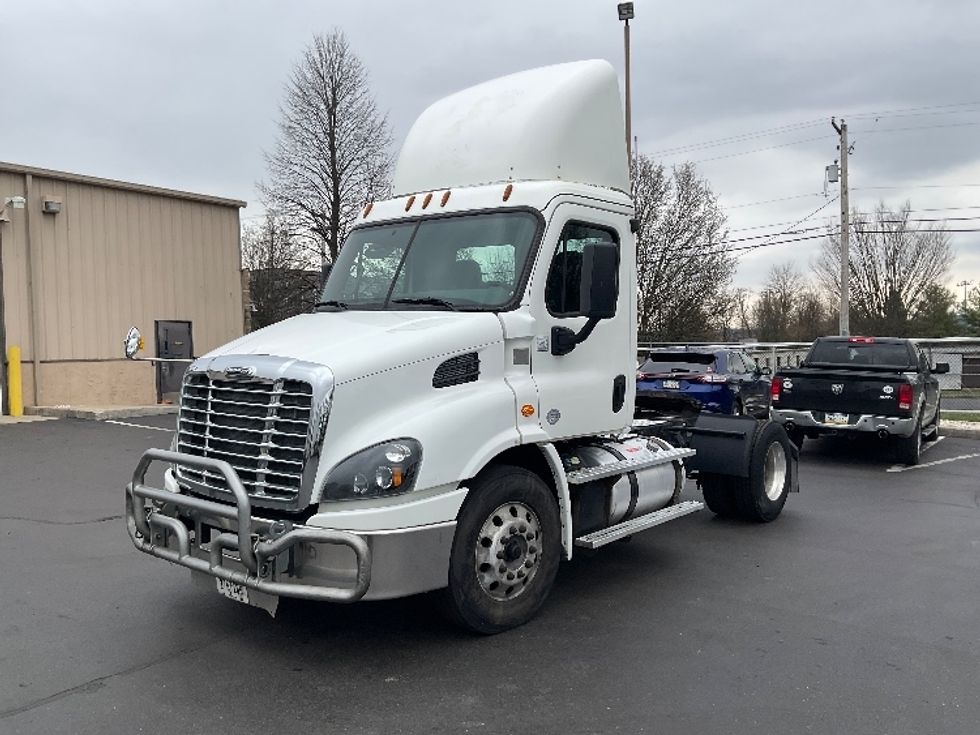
260,543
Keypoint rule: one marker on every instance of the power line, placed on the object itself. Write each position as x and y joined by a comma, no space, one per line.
737,138
767,148
915,186
902,110
873,131
771,201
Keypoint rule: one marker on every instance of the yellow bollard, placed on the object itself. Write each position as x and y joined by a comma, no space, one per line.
14,387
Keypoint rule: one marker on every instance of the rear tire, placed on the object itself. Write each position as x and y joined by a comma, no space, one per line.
505,552
760,497
936,421
909,448
719,494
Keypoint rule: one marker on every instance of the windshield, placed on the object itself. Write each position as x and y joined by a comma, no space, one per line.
679,362
861,353
469,262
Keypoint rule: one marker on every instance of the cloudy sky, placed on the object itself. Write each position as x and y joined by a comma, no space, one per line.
185,94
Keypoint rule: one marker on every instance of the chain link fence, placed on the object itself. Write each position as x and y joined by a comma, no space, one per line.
962,354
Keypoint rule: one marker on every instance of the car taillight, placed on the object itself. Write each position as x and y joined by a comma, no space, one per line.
776,389
709,378
905,396
862,340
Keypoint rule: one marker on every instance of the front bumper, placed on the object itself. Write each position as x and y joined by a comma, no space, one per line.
815,422
274,557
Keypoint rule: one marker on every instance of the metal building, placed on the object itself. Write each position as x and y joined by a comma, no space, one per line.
82,259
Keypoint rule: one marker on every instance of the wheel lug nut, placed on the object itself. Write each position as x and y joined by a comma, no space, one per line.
510,575
500,554
532,550
523,528
502,568
512,530
520,574
529,564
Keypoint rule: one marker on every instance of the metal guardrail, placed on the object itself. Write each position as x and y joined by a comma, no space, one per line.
962,354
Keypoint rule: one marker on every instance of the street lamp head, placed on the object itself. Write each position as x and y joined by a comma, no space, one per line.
625,11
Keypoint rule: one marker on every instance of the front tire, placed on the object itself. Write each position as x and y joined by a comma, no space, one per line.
505,552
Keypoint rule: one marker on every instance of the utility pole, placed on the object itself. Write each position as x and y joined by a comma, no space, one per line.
845,262
964,285
625,14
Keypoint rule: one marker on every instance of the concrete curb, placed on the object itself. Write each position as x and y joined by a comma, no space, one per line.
960,429
100,413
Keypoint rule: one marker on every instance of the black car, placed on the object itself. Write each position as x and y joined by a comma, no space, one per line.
695,379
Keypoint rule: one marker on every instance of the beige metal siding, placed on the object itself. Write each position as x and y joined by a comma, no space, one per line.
113,258
15,273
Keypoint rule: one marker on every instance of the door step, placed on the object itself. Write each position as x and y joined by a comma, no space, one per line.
579,477
607,535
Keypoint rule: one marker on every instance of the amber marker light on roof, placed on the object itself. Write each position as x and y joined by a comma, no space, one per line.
367,209
428,198
410,202
445,198
507,190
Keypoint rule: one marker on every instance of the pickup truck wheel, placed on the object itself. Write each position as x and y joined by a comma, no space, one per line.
505,552
719,494
936,421
761,496
909,447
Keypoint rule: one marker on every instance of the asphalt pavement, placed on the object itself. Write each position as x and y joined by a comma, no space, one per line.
854,612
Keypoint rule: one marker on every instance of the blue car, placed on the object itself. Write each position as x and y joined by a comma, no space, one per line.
680,380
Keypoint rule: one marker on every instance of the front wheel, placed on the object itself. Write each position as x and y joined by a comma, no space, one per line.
505,552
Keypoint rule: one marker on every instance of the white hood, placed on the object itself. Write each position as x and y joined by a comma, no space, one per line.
354,344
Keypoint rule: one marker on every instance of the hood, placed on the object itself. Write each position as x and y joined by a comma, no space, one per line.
354,344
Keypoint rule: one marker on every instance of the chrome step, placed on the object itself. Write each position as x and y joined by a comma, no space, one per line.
578,477
607,535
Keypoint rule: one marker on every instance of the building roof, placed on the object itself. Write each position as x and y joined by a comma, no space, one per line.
46,173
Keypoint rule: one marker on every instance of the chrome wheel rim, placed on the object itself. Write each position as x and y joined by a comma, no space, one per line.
775,473
508,551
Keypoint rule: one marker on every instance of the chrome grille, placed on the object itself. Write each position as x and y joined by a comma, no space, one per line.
260,426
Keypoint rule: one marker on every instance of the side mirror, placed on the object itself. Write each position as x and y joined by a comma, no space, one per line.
133,343
941,368
765,371
600,280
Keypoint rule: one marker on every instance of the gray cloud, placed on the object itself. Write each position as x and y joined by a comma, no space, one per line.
185,94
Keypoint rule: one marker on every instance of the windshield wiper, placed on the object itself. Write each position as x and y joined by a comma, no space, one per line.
333,303
426,301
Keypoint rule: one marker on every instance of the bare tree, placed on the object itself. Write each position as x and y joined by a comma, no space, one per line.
280,281
893,263
683,266
333,151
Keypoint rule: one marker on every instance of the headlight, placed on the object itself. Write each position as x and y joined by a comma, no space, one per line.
389,468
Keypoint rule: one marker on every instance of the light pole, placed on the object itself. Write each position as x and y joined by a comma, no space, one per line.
625,15
964,285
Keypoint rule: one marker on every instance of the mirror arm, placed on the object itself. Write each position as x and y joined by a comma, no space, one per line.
564,340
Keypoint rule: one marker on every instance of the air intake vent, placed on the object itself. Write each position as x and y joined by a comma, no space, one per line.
457,370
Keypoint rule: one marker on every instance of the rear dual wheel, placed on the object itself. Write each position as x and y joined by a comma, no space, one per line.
760,497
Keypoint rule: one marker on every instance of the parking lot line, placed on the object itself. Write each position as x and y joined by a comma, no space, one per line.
137,426
906,468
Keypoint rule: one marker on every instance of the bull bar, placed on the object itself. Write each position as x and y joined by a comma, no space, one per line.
259,542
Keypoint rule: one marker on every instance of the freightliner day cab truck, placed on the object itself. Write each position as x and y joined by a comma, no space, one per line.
457,413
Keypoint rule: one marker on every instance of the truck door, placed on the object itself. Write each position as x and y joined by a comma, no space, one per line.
592,388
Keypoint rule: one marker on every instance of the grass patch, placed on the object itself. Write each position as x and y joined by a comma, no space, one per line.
963,393
961,416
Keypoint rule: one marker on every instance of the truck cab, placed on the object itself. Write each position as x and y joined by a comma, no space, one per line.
457,412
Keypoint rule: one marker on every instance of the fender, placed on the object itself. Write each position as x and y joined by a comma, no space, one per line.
564,499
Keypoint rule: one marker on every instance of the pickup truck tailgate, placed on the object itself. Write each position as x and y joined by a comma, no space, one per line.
844,391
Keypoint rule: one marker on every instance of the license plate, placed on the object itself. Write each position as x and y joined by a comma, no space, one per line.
837,418
233,590
672,384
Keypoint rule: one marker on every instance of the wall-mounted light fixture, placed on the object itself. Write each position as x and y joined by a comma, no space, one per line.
51,206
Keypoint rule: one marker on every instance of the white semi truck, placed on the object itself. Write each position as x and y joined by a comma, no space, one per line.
458,412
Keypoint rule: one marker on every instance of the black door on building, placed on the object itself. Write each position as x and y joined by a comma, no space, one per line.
173,343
